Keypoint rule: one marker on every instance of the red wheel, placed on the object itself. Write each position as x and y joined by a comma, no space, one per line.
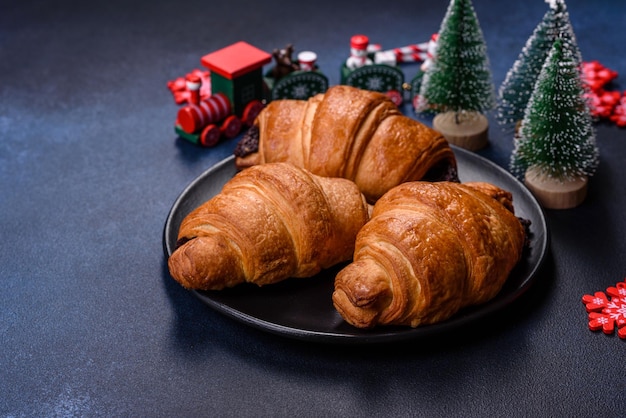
416,100
210,135
231,126
251,111
395,97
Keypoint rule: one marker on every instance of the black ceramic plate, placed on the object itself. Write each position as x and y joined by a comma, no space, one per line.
303,309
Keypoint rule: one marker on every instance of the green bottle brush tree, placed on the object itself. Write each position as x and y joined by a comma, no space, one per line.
458,85
555,149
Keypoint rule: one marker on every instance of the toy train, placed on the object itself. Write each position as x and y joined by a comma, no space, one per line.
371,68
220,102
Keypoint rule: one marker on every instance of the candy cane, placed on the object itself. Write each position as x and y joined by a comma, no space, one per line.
412,57
410,49
410,53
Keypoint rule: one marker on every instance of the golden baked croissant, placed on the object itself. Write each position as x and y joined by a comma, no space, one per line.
268,223
351,133
429,250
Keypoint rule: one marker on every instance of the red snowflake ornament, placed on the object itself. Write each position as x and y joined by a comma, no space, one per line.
178,86
608,310
619,112
596,75
604,104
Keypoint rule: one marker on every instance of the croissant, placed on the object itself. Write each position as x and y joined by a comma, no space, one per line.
268,223
351,133
429,250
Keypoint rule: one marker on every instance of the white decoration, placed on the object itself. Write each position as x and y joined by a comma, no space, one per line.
552,3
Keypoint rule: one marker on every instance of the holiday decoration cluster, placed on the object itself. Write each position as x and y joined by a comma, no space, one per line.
548,80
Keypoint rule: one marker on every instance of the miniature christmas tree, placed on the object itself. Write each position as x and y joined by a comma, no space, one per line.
519,82
458,85
555,149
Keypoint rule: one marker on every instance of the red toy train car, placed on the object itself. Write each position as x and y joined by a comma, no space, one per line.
238,90
236,80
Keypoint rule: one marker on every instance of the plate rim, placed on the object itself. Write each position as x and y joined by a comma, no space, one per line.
383,334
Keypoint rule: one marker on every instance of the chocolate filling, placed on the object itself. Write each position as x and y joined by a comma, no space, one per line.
249,143
528,235
182,241
442,171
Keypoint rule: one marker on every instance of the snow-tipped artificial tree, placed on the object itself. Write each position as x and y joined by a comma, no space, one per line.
555,150
458,85
515,91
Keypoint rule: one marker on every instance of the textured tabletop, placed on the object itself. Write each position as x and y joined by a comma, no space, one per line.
91,323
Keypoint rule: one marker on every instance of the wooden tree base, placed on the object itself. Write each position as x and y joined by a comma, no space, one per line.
553,193
470,131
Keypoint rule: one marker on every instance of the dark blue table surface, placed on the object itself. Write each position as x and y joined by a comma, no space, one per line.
91,324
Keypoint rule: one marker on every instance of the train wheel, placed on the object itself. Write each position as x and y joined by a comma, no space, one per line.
416,101
210,135
395,97
251,111
231,126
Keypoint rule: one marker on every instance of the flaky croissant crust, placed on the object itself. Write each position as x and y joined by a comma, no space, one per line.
269,223
429,250
351,133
